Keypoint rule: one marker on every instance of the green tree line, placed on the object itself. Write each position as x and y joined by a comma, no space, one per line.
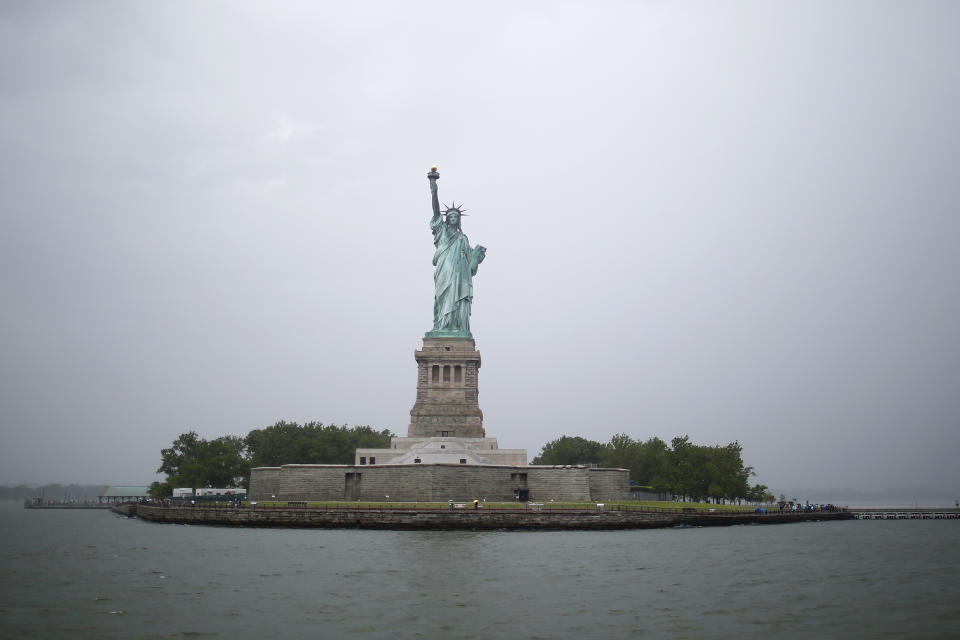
192,461
689,471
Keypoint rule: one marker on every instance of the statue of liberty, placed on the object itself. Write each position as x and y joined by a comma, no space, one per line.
456,264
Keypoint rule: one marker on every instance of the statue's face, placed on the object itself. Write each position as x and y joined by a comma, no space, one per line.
453,217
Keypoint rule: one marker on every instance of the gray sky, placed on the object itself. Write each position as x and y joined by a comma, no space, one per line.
736,221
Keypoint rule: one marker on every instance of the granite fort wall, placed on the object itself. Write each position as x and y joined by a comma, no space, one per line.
437,483
559,484
609,484
449,482
404,483
313,482
264,483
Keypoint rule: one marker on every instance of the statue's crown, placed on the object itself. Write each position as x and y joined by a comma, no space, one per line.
453,207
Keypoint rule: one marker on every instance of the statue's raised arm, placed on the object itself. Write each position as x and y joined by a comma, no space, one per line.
433,176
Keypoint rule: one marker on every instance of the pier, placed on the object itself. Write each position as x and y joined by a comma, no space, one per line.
906,514
66,504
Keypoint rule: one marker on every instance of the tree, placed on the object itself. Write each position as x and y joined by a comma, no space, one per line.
159,490
689,470
645,460
733,476
195,462
651,462
759,493
620,453
570,450
275,445
680,467
225,462
311,443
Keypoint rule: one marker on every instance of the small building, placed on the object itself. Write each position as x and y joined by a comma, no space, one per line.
639,492
451,450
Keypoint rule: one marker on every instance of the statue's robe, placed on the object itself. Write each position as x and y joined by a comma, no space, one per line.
455,265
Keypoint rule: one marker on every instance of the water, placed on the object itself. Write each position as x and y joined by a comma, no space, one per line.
91,574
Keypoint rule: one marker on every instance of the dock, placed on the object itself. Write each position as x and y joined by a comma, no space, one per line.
905,514
65,504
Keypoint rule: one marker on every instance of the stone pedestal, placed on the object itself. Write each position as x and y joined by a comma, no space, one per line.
446,405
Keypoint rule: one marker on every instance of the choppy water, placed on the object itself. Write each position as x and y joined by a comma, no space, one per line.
91,574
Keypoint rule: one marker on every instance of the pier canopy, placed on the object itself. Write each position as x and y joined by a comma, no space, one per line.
124,493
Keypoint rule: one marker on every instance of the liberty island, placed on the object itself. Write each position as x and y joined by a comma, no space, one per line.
447,458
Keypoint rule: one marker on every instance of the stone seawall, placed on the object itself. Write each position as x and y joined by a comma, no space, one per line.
128,509
488,519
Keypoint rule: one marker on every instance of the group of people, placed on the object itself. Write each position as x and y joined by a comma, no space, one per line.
794,507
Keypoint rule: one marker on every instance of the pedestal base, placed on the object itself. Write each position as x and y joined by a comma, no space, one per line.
446,405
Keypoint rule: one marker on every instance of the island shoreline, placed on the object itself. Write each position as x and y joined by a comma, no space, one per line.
470,519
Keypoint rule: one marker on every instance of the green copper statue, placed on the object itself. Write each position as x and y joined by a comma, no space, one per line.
456,264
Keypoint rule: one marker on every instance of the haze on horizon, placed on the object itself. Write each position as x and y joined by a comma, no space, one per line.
734,221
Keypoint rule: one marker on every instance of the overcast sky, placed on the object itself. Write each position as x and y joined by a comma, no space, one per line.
736,221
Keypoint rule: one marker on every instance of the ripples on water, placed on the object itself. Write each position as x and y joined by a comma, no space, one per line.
91,574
